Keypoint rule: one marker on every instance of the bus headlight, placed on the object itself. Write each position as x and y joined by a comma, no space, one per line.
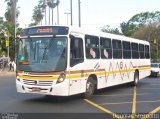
61,78
18,79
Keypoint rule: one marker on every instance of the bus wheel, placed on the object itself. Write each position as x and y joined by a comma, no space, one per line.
90,88
136,79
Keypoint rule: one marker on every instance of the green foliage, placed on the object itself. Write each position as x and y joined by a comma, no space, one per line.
145,26
8,26
37,14
32,24
108,29
9,14
39,10
150,32
51,4
139,20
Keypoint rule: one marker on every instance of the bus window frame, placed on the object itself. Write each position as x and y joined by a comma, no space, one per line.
92,37
140,51
109,50
82,60
135,51
117,49
126,50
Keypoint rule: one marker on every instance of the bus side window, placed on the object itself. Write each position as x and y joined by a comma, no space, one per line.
147,52
92,47
76,51
126,50
135,52
106,48
141,51
117,49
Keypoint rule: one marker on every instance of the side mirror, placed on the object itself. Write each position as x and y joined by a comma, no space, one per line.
71,36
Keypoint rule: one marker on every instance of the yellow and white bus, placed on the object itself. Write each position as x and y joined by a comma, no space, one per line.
63,61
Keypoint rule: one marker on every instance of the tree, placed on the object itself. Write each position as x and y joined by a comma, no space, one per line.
43,5
1,34
108,29
37,14
10,11
145,26
9,27
150,33
39,11
51,4
139,20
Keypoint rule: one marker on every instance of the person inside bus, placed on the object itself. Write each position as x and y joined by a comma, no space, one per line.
105,53
92,53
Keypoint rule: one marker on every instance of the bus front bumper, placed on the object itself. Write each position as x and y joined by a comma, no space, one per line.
60,89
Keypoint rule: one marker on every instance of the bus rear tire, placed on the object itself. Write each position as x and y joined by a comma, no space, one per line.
136,78
90,88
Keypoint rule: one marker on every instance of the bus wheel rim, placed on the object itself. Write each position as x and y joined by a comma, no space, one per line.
136,79
89,88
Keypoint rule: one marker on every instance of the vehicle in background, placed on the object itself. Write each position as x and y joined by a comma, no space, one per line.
155,67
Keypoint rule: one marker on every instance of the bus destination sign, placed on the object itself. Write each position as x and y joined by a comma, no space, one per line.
45,30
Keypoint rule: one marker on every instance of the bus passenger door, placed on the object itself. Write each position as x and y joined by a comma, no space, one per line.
76,64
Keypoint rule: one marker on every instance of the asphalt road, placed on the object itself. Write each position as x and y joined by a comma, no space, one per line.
107,103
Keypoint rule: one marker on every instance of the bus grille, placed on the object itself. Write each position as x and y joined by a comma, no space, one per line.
37,83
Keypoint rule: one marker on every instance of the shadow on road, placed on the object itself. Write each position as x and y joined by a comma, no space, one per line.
55,99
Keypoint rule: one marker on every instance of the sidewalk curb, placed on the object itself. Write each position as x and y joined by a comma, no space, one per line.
2,73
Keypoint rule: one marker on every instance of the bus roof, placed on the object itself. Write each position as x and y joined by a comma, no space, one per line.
106,35
76,30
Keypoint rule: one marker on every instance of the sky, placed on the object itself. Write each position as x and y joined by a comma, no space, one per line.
94,13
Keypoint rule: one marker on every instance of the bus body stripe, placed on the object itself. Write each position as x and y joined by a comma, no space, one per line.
77,74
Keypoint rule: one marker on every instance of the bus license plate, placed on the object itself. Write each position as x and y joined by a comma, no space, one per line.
35,89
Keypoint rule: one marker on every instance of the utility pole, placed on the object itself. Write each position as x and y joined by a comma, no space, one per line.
157,49
58,12
71,12
52,13
79,10
45,12
15,22
67,13
49,15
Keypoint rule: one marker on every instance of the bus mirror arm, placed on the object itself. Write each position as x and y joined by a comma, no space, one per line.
71,36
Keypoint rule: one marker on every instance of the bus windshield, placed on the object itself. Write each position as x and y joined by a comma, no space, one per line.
42,54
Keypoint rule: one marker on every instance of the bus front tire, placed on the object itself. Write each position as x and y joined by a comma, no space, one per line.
90,88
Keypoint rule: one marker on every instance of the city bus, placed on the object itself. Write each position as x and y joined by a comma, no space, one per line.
64,61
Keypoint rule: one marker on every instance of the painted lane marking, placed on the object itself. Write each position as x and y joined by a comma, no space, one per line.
155,84
101,108
118,103
124,94
150,88
115,103
134,104
152,113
